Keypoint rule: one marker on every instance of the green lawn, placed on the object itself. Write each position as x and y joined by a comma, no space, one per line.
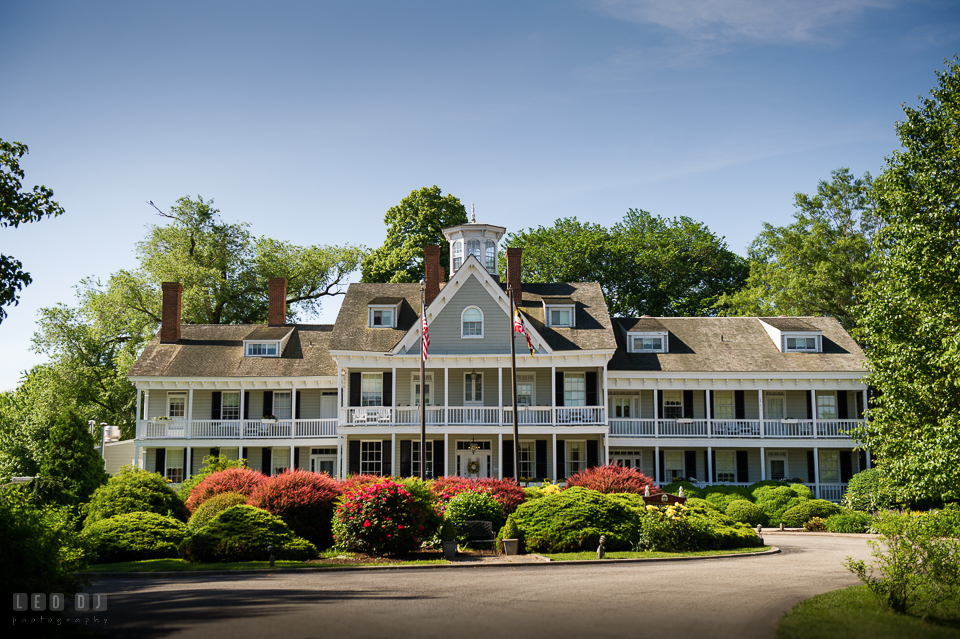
583,556
853,613
328,559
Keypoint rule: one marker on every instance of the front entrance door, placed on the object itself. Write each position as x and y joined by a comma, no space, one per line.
323,464
627,459
472,464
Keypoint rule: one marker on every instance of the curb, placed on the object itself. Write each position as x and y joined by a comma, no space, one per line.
454,565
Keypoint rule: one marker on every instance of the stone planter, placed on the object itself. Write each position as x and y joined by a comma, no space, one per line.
449,550
511,546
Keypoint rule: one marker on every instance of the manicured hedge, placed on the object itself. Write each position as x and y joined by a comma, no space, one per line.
135,536
305,501
870,491
850,521
689,490
776,500
131,491
808,509
243,533
574,520
746,512
475,506
213,507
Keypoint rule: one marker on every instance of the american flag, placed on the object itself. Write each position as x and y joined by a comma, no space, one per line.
518,327
425,342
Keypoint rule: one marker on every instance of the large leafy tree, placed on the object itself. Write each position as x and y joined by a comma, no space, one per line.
417,221
18,207
818,264
911,313
645,264
70,469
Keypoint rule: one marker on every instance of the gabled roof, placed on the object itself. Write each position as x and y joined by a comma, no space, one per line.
736,344
594,330
268,333
216,350
352,331
789,324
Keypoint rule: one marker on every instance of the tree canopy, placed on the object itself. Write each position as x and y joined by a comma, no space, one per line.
819,264
17,207
911,312
645,264
417,221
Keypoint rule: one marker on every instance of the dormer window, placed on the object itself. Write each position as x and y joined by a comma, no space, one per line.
381,317
801,344
561,317
559,312
647,342
262,349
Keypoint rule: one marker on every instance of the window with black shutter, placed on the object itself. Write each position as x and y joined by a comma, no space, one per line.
354,389
161,462
558,395
591,381
215,404
508,458
438,469
388,388
743,467
541,458
739,405
688,404
593,453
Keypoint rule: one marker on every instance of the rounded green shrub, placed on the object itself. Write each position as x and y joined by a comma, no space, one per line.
689,490
870,491
701,506
850,521
133,490
632,501
776,500
806,510
213,507
472,506
722,500
746,512
135,536
803,491
574,520
243,533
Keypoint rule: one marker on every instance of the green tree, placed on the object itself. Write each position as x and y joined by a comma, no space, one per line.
417,221
819,264
645,264
26,415
17,207
71,469
911,311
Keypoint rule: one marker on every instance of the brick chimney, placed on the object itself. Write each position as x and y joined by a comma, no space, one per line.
431,273
277,315
170,312
514,258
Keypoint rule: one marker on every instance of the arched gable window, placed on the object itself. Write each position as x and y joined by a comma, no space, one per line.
457,254
491,257
471,321
473,248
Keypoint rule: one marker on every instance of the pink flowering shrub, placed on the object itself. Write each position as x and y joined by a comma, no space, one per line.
612,479
232,480
353,481
378,519
303,500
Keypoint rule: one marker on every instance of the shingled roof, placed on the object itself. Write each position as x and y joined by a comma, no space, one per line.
352,331
592,330
216,350
736,344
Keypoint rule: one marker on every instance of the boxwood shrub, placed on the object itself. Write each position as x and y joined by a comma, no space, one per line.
746,512
849,521
870,491
135,536
689,490
213,507
469,506
133,490
776,500
806,510
243,533
573,520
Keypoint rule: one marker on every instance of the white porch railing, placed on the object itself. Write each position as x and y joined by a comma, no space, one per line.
473,415
830,492
580,415
529,415
632,427
369,415
682,427
410,415
235,429
735,428
315,428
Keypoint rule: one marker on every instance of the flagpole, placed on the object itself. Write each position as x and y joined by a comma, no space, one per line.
513,379
423,403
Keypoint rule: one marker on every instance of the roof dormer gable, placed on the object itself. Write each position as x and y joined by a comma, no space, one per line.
793,335
267,341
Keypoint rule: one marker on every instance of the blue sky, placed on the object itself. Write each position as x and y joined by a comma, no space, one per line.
310,119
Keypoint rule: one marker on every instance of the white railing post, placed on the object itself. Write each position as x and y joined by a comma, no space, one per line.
706,399
760,400
656,415
813,410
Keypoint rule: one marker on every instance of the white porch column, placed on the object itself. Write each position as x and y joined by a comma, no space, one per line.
864,403
446,451
500,392
190,404
187,463
553,403
516,471
446,407
813,411
136,454
242,408
146,404
606,400
606,449
393,391
709,464
816,471
760,404
656,464
340,415
293,417
556,461
339,470
707,394
292,467
763,464
393,453
656,414
139,410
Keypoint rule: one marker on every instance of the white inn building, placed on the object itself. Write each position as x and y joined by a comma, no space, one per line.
720,400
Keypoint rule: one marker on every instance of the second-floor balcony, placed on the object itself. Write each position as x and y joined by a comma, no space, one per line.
235,429
474,416
735,428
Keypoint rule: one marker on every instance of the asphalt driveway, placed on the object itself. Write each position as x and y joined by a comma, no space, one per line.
737,597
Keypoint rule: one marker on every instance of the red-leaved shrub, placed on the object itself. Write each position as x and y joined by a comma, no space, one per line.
612,479
303,500
232,480
507,492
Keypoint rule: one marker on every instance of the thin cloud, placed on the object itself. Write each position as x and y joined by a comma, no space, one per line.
743,20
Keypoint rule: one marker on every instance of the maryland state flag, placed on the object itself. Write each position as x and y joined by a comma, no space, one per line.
519,327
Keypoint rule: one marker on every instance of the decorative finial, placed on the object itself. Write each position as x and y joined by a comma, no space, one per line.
473,216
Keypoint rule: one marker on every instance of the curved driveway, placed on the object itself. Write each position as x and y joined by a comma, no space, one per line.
728,597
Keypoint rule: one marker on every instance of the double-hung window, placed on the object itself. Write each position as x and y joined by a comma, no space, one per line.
472,321
174,470
491,255
673,465
672,404
726,466
574,389
371,457
415,389
526,387
774,405
415,453
473,388
371,389
829,467
177,405
473,248
230,406
280,460
381,317
723,404
621,406
576,456
457,254
281,405
528,459
826,406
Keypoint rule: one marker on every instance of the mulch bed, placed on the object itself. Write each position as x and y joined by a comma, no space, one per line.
353,559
